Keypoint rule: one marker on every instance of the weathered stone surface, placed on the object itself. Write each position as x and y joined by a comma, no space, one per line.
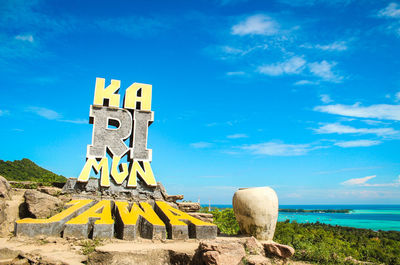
206,217
3,206
77,230
40,205
221,253
5,188
279,250
49,229
93,189
103,230
142,228
9,212
256,210
189,206
145,252
53,191
190,230
253,247
203,231
258,260
168,198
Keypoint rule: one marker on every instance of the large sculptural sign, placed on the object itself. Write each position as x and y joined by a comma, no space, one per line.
130,210
113,127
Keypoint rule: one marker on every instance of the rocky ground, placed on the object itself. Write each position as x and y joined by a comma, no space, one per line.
223,250
44,202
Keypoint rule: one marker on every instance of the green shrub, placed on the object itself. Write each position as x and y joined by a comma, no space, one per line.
26,170
325,244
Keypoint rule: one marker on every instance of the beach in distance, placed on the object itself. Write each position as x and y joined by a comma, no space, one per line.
375,217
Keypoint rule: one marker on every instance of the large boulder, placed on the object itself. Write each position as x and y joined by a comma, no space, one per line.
53,191
189,207
224,253
5,189
40,205
279,250
256,210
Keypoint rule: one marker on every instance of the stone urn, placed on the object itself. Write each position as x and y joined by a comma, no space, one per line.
256,210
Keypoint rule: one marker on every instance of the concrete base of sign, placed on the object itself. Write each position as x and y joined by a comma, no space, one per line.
150,231
177,231
158,223
143,229
103,230
202,231
32,230
77,230
48,229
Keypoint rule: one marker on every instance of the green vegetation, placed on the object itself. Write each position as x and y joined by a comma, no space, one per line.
88,246
224,219
314,211
325,244
26,170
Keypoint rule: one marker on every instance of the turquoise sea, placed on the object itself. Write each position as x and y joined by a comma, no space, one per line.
375,217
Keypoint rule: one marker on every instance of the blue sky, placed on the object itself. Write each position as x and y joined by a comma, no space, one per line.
302,96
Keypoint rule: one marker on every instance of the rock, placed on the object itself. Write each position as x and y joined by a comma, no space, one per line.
258,260
279,250
9,212
3,215
211,257
206,217
40,205
53,191
221,253
189,207
93,189
168,198
5,189
256,210
253,247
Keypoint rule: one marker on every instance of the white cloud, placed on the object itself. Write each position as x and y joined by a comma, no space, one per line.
335,46
28,38
77,121
45,113
323,69
392,11
292,66
237,136
325,98
379,111
345,129
305,82
373,122
53,115
357,143
232,50
315,2
357,181
397,96
256,25
238,73
201,145
279,149
363,182
4,112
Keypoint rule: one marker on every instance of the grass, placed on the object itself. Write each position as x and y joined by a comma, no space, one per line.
89,245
